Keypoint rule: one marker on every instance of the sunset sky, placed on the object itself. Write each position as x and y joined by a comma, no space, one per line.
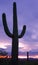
27,14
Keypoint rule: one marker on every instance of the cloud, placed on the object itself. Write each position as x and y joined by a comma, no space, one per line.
4,45
24,47
28,46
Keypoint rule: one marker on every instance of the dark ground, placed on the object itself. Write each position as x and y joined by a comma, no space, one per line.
20,62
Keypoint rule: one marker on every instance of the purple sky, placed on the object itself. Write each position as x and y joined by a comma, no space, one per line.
27,11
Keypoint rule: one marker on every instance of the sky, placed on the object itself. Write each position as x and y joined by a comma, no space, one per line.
27,14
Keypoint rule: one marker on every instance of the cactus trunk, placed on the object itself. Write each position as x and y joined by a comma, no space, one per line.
15,33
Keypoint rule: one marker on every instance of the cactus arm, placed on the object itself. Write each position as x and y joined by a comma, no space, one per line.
5,25
23,32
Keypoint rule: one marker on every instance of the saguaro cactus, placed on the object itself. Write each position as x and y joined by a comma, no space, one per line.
15,35
27,56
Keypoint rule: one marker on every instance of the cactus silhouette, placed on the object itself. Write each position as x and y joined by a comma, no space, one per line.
27,56
15,35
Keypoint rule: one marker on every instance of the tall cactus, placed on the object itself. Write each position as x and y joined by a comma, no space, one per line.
15,35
